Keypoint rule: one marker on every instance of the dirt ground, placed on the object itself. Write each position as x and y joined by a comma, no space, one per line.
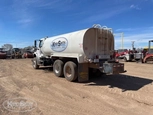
130,93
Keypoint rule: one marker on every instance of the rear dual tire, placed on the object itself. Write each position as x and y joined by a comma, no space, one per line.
69,70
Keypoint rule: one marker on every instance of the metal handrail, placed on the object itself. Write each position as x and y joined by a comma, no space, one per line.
102,27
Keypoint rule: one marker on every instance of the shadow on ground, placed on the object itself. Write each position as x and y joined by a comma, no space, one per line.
124,82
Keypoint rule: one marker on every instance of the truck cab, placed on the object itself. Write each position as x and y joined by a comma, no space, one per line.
148,55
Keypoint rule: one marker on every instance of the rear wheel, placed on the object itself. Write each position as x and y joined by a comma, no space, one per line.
35,63
23,56
125,59
70,71
58,68
12,56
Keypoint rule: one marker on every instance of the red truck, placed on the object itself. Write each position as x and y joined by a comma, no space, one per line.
129,55
120,53
2,54
27,54
148,54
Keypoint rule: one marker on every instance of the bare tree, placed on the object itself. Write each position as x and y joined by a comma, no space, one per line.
7,47
28,48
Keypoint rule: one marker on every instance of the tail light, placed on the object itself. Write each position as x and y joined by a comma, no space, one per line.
97,57
113,55
116,60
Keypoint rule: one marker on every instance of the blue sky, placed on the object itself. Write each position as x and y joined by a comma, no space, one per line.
23,21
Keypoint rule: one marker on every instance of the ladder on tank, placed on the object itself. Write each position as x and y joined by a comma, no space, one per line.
103,28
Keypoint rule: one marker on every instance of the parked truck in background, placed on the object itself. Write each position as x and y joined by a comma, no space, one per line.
16,53
27,54
133,55
2,54
120,53
73,54
144,56
10,53
148,54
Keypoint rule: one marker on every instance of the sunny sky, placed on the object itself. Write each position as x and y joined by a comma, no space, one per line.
23,21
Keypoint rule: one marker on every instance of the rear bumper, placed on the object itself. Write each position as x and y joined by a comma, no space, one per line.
113,68
109,67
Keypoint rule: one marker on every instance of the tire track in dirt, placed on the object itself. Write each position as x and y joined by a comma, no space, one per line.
10,85
58,96
62,91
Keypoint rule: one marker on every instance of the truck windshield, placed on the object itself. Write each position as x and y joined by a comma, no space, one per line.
151,51
16,49
41,43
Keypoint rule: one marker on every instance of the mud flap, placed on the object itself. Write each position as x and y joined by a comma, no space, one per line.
83,74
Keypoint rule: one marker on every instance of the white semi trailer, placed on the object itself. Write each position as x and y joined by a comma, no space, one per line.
73,54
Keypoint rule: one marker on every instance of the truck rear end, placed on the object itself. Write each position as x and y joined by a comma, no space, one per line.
98,46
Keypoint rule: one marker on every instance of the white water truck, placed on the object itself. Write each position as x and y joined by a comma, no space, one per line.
72,55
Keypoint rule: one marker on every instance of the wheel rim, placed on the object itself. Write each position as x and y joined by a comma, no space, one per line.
57,68
68,72
34,63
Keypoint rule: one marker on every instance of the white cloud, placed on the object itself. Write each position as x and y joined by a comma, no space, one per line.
25,21
22,13
105,14
137,37
124,29
135,7
25,11
55,5
18,44
23,44
141,36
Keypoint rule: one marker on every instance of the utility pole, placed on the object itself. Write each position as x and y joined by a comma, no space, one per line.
133,45
122,40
